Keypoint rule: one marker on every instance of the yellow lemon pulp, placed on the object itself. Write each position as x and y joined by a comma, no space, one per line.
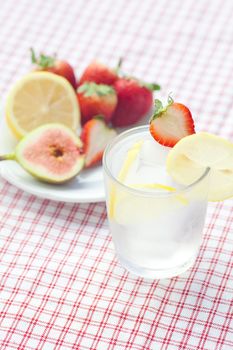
40,98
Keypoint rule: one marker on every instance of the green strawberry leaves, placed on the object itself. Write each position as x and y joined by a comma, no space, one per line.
42,61
159,109
150,86
88,89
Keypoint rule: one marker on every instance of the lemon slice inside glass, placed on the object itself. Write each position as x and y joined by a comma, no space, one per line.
40,98
189,158
119,197
130,158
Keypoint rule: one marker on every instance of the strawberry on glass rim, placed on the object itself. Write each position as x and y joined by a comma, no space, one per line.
53,65
171,123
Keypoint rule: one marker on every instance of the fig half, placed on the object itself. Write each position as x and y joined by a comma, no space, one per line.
52,153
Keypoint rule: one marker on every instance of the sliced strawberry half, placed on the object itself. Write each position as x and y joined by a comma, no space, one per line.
95,135
171,123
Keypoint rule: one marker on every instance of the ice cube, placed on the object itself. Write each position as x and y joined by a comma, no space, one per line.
149,165
152,153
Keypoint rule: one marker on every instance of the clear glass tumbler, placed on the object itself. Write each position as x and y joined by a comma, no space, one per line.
156,234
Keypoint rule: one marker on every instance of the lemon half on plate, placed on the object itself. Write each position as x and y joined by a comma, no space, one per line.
189,158
41,98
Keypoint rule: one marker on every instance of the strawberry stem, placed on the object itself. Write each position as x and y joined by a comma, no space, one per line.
118,67
33,56
169,100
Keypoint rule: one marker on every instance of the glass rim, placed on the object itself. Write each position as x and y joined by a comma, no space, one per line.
141,192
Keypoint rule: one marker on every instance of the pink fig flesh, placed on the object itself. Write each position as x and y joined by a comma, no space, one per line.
52,153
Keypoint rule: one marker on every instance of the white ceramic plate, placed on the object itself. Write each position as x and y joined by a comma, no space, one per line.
86,187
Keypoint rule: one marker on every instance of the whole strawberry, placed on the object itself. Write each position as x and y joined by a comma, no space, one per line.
96,99
99,74
135,100
53,65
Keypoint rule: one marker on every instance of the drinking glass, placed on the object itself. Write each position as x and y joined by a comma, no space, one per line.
156,233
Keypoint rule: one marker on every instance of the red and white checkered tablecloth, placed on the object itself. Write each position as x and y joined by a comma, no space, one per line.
61,286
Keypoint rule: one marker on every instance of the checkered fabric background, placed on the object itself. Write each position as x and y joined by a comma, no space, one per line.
60,284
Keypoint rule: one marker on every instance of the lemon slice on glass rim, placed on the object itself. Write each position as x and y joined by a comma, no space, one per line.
189,158
40,98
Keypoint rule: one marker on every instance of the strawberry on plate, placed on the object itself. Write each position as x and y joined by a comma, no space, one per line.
96,99
171,123
99,74
53,65
95,136
135,100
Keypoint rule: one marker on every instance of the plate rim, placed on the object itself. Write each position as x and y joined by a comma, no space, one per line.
5,173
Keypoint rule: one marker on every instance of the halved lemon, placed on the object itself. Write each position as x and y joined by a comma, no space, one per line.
189,158
41,98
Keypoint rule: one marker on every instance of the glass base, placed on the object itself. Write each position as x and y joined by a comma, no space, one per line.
155,273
